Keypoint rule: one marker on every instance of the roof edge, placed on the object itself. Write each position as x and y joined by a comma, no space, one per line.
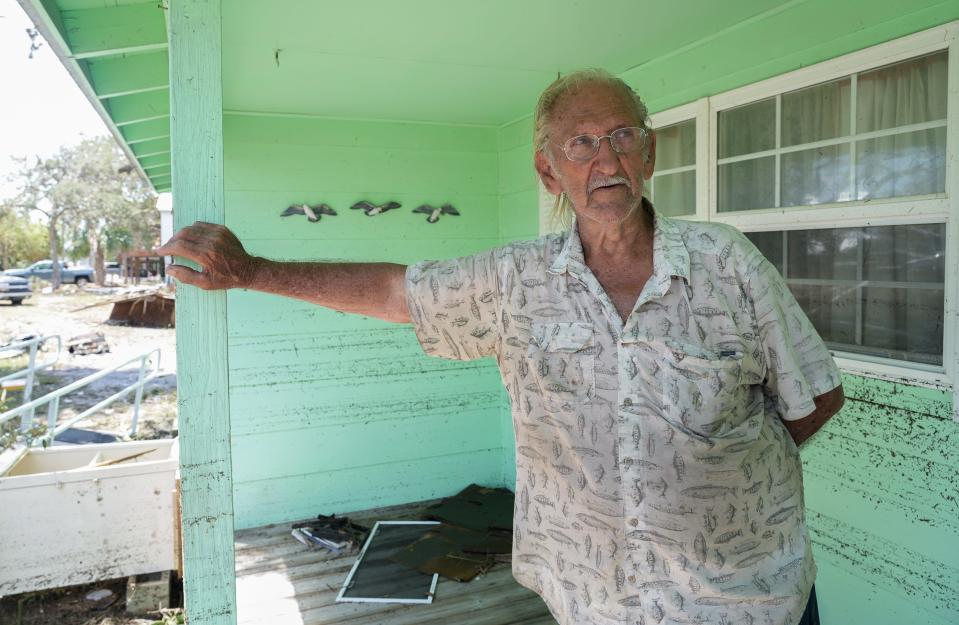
45,24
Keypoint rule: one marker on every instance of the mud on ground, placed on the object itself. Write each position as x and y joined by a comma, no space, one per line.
51,314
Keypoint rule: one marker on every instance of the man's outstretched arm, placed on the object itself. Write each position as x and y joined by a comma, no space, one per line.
372,289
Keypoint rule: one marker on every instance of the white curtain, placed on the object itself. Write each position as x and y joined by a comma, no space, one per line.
901,164
675,193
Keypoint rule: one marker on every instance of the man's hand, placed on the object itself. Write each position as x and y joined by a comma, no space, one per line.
224,262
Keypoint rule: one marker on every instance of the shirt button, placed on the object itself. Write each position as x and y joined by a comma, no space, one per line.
632,579
628,461
634,522
627,402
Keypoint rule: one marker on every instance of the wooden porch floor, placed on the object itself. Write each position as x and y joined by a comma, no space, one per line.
281,582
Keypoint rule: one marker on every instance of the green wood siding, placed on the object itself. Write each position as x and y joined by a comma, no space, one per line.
333,412
881,495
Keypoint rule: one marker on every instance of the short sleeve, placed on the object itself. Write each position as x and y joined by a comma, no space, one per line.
798,363
454,306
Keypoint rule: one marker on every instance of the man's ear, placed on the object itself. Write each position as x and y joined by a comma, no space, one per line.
546,173
650,164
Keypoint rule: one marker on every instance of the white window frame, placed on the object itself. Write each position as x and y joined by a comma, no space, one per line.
933,208
699,111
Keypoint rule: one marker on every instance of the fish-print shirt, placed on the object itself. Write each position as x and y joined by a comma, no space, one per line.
655,480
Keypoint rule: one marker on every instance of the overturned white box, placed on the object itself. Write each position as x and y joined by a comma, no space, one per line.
85,513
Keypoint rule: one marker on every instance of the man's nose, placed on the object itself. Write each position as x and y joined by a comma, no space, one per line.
607,159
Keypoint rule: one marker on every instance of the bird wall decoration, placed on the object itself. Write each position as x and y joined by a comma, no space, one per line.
434,212
371,209
313,213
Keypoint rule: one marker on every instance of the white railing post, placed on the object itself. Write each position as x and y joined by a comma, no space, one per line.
26,419
139,394
53,410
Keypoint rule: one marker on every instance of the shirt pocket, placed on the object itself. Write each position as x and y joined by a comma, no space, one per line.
707,393
561,357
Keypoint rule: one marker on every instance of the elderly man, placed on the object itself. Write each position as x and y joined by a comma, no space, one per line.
660,373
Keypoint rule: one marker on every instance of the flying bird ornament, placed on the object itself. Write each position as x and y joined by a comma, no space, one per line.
372,210
313,213
434,212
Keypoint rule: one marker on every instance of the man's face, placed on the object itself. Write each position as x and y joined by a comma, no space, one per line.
608,187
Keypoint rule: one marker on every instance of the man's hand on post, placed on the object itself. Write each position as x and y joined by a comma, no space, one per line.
222,259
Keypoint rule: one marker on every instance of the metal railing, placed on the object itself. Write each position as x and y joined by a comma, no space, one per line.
33,346
52,399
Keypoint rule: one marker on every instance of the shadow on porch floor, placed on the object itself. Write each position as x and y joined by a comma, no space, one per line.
281,582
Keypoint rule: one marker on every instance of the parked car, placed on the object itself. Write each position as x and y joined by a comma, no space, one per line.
44,269
14,288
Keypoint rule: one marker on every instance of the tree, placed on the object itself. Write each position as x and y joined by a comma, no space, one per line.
22,241
90,198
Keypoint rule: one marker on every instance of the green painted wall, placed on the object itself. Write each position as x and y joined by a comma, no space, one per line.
881,495
332,412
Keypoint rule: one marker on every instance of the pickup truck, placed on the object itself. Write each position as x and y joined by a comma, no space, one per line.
44,269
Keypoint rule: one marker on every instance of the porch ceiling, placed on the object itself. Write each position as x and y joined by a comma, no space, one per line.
439,61
116,51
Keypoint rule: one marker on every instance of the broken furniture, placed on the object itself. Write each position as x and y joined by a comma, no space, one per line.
141,307
149,310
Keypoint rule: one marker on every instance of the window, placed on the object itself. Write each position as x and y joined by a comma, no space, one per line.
843,175
875,134
673,185
874,290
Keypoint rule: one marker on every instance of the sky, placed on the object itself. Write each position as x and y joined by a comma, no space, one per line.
41,108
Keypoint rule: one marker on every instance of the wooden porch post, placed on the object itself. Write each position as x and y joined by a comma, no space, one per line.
196,129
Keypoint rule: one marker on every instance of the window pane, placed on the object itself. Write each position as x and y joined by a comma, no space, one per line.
816,113
747,129
675,194
746,185
886,301
912,253
829,254
911,163
676,145
831,309
771,245
816,176
907,323
910,92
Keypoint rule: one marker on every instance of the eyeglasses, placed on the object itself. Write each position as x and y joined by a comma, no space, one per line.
623,141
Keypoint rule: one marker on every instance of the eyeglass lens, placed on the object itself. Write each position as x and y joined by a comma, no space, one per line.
583,147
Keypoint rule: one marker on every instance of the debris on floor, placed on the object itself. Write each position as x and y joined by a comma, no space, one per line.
476,507
376,578
329,532
475,534
99,595
93,343
454,552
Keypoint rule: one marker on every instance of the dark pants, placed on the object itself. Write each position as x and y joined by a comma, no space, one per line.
811,615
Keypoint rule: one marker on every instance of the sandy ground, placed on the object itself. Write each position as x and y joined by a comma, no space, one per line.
51,314
56,314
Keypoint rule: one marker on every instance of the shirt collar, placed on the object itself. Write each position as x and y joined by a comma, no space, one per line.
670,256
